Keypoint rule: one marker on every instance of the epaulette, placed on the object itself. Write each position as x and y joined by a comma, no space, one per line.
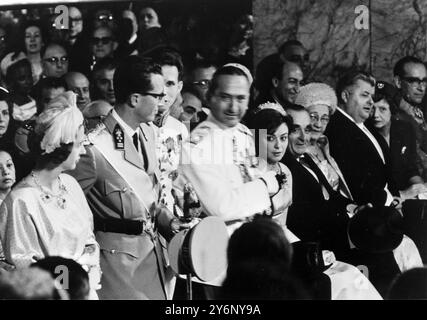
198,134
92,134
244,129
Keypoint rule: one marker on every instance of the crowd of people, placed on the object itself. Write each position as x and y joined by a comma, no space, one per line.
116,137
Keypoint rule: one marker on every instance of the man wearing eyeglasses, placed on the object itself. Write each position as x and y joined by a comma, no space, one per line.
199,79
410,77
120,176
54,60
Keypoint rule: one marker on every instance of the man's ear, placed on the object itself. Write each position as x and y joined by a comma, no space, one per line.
275,82
133,100
180,84
397,82
345,95
115,45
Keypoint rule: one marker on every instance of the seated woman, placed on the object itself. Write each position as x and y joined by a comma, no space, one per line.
7,179
401,140
7,123
402,150
46,213
271,150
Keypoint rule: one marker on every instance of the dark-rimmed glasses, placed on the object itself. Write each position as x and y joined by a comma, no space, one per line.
415,81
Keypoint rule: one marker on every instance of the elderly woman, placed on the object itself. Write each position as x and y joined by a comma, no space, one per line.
46,213
320,101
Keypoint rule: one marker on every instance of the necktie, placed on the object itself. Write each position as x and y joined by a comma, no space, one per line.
135,141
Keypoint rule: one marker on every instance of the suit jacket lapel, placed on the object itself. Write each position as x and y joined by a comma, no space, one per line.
129,152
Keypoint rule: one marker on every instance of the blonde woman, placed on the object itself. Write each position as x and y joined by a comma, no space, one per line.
46,214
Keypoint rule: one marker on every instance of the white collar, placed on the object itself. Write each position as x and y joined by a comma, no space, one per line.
129,131
132,39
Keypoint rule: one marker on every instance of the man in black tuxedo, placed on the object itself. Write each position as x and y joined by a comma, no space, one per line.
311,216
361,156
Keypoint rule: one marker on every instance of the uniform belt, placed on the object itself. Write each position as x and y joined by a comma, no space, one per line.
131,227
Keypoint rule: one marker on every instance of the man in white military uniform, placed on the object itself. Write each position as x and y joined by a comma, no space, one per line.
219,159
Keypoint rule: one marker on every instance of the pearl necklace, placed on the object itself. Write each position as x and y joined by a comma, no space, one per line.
47,196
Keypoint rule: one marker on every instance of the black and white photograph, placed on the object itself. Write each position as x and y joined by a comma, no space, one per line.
213,155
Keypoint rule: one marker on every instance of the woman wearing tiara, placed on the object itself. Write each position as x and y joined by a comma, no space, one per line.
46,213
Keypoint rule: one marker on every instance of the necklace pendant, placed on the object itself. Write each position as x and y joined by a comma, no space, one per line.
61,203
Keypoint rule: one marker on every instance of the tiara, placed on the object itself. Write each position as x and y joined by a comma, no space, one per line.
272,106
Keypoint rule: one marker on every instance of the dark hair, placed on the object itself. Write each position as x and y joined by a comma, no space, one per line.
410,285
259,260
196,63
229,71
350,78
399,67
378,96
279,67
34,23
261,280
10,72
112,31
269,119
44,84
7,140
51,44
106,63
288,44
262,238
134,75
170,57
78,279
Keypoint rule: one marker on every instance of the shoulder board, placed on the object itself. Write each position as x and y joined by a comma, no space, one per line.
199,133
91,135
244,129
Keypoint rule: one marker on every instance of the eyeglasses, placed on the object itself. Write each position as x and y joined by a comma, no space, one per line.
158,96
202,83
103,17
416,81
103,40
315,117
56,59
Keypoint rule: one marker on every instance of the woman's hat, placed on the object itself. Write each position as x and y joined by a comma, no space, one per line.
317,93
200,251
378,229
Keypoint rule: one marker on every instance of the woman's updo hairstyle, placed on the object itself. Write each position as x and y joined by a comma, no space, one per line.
56,130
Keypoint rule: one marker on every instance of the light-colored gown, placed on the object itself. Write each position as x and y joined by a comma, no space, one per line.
32,228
